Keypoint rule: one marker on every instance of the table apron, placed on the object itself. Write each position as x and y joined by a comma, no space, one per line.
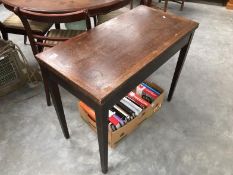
72,89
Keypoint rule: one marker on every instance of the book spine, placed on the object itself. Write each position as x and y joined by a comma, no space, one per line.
152,89
131,105
119,119
111,113
119,114
142,89
138,99
126,109
134,102
114,121
111,126
123,112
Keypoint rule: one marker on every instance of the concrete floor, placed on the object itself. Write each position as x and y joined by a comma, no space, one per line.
192,135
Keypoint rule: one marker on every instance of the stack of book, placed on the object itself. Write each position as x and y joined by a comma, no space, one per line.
129,107
126,115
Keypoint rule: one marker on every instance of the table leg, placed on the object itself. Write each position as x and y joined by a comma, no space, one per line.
56,97
46,85
102,131
95,20
179,66
165,5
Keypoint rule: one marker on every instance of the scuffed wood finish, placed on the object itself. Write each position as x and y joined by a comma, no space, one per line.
101,60
55,6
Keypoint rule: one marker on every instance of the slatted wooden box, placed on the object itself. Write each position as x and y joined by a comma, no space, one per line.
115,136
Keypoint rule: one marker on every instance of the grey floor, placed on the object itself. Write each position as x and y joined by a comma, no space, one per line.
192,135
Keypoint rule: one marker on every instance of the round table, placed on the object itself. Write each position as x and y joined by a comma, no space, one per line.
94,7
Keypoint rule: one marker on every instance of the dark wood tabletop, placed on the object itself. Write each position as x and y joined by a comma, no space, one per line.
65,5
102,59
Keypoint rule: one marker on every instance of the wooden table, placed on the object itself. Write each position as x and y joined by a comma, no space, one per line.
102,65
95,7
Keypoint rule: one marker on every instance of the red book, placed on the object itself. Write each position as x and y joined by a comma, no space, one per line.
88,110
138,99
142,89
114,121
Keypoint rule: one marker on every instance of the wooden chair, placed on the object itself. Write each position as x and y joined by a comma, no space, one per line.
181,2
12,24
115,11
150,4
54,36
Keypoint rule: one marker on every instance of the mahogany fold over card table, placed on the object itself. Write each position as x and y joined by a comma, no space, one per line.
103,64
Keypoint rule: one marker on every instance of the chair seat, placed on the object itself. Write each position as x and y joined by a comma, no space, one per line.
58,33
113,14
78,25
13,21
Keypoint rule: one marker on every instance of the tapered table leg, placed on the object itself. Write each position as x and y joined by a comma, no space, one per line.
46,85
165,5
56,97
179,66
102,131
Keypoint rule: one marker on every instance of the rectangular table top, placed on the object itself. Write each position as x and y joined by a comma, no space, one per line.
101,60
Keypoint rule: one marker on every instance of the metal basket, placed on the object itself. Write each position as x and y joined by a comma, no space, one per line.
12,74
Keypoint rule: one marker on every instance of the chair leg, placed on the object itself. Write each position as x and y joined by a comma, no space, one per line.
131,4
182,5
149,2
146,2
95,20
165,5
25,39
57,26
40,48
4,35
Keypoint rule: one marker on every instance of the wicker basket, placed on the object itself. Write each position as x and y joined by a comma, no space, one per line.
12,74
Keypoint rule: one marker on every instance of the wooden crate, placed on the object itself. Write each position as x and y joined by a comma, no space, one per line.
115,136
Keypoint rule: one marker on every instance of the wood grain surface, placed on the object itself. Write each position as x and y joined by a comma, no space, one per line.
101,60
